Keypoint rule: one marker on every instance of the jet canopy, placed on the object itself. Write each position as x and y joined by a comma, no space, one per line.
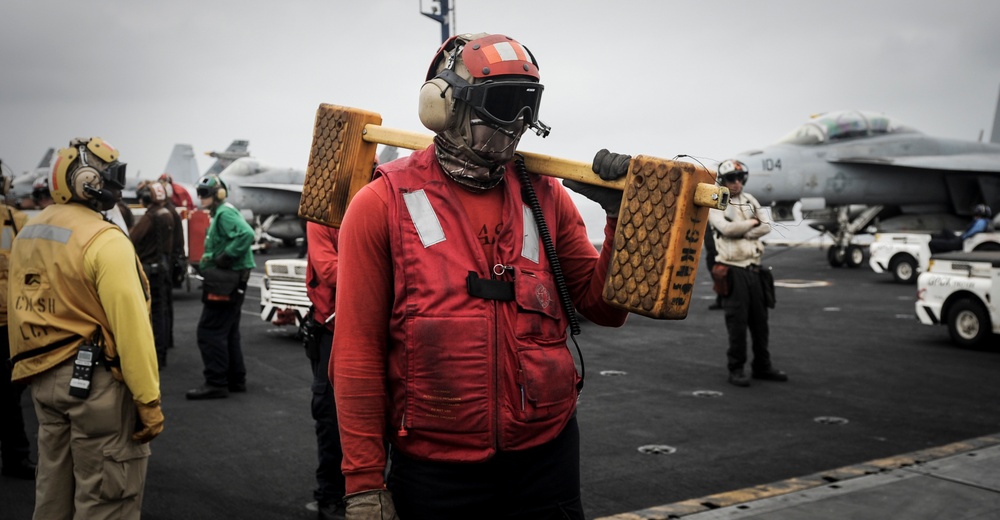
243,167
846,124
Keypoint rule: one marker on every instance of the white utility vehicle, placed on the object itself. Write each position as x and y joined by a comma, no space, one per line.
962,291
905,255
283,298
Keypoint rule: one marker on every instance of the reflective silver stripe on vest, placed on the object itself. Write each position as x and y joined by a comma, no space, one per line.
424,219
46,232
529,249
7,238
430,231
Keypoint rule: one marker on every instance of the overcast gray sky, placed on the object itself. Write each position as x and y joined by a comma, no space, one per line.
700,77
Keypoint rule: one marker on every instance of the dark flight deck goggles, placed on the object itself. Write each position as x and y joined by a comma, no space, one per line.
502,102
733,177
114,174
204,193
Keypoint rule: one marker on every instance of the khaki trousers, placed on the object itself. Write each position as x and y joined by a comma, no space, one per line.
88,465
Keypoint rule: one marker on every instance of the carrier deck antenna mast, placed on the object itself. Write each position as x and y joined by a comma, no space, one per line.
441,13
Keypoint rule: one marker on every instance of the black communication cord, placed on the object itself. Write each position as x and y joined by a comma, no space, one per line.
528,193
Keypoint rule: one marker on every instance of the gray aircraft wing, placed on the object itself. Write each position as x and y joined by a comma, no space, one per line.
297,188
983,162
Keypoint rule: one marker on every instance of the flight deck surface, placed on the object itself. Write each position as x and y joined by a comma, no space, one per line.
660,425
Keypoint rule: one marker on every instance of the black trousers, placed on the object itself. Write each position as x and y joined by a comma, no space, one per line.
541,483
329,478
219,340
160,315
13,439
745,309
944,242
168,304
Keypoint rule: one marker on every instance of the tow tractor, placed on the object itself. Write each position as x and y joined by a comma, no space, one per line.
283,298
962,291
906,255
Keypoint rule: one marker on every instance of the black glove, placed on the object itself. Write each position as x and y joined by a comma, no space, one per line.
223,260
611,166
610,199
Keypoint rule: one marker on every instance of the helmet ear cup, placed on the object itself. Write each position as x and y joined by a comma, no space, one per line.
81,179
221,194
436,104
86,184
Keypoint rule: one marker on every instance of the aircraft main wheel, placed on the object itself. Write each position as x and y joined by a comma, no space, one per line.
903,268
855,256
968,323
836,256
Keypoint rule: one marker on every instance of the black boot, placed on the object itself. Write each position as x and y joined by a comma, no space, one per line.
207,391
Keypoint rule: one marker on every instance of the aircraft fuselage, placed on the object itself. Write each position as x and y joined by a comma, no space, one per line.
788,172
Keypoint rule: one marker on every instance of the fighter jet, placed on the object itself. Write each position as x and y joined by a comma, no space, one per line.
235,150
846,168
20,186
268,196
182,166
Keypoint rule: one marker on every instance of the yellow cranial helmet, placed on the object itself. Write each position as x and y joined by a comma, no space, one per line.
84,170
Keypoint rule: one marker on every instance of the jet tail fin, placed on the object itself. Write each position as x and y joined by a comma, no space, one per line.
236,149
46,161
182,165
995,136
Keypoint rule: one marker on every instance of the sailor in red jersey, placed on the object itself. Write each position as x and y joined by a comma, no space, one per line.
451,338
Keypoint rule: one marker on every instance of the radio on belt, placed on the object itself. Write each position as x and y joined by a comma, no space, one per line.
83,370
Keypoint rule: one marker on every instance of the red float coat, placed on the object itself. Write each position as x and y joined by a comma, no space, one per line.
441,374
180,197
321,274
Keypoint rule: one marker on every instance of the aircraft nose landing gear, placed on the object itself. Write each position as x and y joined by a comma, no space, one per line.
843,252
852,256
